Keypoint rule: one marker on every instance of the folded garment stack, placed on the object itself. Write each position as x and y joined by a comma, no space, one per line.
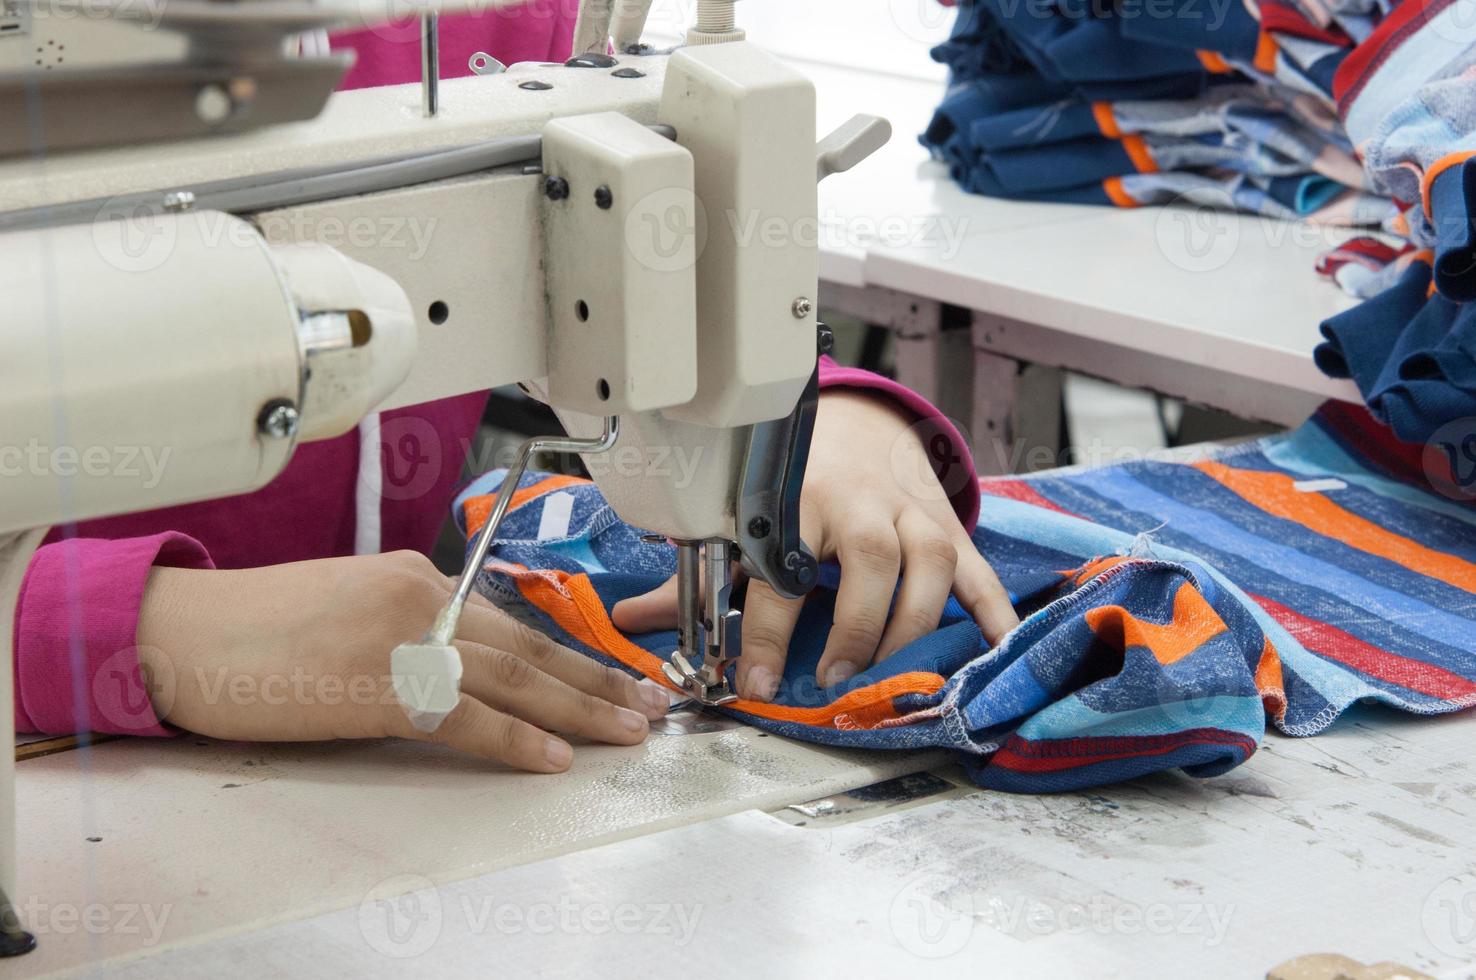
1347,112
1407,96
1132,102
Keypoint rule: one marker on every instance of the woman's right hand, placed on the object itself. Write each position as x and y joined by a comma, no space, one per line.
301,652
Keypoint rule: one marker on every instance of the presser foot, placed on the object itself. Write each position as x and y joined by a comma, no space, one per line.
697,682
709,631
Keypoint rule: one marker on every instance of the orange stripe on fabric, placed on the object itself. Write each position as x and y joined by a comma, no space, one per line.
1276,494
1195,623
1096,567
1270,682
1115,193
1265,59
1106,121
1427,182
1214,63
478,509
576,607
1137,152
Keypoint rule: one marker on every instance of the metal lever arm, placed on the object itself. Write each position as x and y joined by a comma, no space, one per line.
769,496
427,675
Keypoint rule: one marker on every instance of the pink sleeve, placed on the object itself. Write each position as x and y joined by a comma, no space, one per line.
76,624
950,455
389,53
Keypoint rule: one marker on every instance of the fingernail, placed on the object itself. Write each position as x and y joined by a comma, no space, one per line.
631,721
839,673
762,684
558,753
658,702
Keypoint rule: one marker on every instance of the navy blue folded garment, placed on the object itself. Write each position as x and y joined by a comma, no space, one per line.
1066,41
1452,201
1358,342
1228,30
1038,169
1410,353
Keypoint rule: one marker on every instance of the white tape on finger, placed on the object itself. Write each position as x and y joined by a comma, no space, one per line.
427,683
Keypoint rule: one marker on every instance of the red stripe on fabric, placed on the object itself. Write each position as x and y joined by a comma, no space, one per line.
1335,644
1056,755
1279,18
1019,490
1376,442
1367,57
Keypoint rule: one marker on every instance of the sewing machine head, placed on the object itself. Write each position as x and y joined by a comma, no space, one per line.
633,237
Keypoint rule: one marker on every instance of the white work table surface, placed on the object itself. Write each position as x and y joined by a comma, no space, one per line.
1231,292
1355,842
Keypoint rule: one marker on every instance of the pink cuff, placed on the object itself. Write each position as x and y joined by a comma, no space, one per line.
76,625
952,461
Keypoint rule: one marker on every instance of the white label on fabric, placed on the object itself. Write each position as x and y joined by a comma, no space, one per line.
558,510
1319,486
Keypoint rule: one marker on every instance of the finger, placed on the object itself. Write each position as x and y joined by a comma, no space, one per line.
656,610
474,728
929,558
496,629
511,684
870,558
979,591
768,623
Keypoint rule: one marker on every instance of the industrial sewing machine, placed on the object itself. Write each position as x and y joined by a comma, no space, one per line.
203,254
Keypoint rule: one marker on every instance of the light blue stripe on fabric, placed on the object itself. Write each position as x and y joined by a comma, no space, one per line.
1440,40
1070,718
1040,526
1311,452
1395,607
578,550
1336,684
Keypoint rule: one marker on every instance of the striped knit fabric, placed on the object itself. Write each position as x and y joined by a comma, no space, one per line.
1169,609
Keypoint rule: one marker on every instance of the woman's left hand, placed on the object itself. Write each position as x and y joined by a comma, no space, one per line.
872,501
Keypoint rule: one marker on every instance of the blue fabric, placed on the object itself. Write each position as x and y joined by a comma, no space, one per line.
1020,120
1412,355
1168,611
1452,197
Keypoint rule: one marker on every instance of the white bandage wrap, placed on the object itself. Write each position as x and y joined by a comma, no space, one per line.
427,682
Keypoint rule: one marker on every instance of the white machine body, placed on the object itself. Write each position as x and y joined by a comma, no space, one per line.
672,286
